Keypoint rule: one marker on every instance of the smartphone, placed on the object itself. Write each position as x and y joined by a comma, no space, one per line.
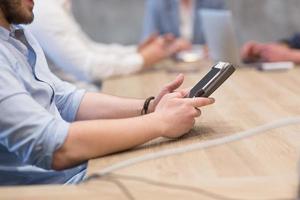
212,80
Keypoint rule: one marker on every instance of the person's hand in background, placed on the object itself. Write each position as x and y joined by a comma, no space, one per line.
250,52
147,41
279,52
180,44
270,52
157,48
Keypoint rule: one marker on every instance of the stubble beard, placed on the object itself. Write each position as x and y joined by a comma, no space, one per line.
14,13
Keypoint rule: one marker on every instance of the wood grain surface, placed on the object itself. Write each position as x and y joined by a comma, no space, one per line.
261,167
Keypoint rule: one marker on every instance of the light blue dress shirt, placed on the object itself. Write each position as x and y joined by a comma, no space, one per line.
163,16
36,109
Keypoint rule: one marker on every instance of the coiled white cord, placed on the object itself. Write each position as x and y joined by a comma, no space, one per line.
198,146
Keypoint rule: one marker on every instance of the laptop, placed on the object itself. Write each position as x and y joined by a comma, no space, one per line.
220,35
221,38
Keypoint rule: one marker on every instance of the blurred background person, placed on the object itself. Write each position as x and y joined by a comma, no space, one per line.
178,17
76,58
284,50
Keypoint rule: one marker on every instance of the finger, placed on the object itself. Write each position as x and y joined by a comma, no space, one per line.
251,50
179,45
197,112
200,101
183,44
160,40
266,55
175,95
258,48
186,91
175,84
169,37
149,40
246,50
172,48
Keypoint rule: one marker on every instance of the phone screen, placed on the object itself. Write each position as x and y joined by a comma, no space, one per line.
196,90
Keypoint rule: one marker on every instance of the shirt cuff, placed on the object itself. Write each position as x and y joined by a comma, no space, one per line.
132,63
54,142
74,105
132,49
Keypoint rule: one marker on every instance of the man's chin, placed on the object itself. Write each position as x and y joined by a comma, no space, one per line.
23,20
29,20
28,16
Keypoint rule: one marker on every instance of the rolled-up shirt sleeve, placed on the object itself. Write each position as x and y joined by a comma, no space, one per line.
27,129
67,99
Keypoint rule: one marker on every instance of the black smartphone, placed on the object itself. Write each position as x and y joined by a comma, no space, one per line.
212,80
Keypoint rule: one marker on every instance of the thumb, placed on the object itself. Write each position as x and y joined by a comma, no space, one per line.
175,84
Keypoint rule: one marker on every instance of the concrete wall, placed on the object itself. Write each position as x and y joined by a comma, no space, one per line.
111,20
121,20
266,20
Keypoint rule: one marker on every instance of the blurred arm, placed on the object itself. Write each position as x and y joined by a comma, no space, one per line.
72,50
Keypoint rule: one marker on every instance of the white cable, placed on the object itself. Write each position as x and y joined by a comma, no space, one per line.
198,146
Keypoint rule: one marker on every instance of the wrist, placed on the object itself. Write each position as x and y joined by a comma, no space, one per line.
151,108
146,62
157,123
148,106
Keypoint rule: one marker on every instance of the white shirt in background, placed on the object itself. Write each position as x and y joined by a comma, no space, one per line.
187,20
72,51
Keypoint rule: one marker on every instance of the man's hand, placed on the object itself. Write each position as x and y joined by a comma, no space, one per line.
277,53
155,49
180,44
272,52
250,52
169,88
148,41
177,114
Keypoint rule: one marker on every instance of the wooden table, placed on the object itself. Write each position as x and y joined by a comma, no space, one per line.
261,167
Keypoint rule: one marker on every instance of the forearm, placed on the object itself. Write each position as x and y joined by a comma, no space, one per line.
102,66
91,139
101,106
113,48
174,116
